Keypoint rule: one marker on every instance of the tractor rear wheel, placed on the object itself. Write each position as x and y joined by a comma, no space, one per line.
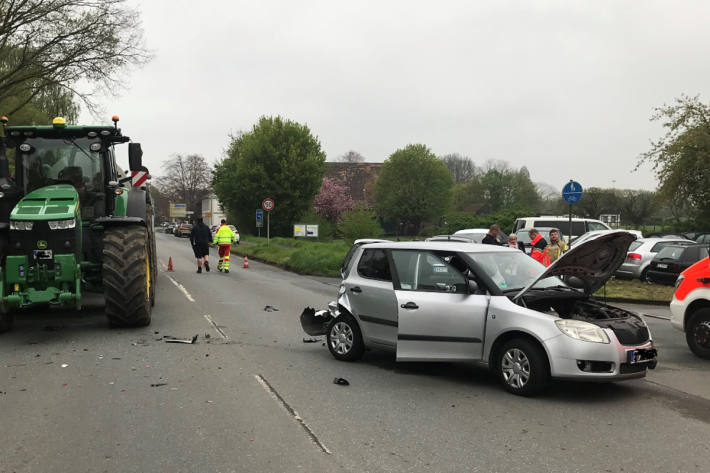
127,275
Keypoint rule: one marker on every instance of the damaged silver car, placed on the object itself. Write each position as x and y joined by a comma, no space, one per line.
448,301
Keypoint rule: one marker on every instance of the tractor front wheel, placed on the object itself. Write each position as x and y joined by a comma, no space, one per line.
127,270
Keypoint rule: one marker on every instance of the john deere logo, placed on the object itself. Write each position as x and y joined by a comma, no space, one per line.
41,245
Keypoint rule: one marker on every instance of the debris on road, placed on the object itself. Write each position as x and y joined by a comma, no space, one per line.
315,322
269,308
157,385
64,365
189,341
311,340
341,381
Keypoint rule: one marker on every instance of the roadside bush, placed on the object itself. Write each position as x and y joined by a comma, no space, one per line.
429,231
360,223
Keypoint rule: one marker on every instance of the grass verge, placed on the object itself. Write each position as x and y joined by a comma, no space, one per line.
636,290
301,256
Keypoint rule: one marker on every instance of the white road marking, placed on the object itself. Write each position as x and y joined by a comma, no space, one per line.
216,327
279,400
182,288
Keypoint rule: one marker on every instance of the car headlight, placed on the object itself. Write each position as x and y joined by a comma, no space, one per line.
21,225
62,224
678,282
581,330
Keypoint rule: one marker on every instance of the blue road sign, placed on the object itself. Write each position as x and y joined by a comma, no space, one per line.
259,215
572,192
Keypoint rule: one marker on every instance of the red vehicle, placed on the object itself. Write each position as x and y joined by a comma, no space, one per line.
690,307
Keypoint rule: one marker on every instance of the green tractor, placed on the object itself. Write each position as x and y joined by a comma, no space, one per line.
71,223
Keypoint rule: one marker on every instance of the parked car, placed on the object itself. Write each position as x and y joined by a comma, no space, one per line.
703,238
580,226
477,235
672,260
447,301
690,307
640,255
183,230
456,238
170,228
524,238
214,228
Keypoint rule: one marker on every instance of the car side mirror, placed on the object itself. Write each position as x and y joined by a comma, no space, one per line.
135,156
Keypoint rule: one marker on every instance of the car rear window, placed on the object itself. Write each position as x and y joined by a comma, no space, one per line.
578,228
373,264
634,245
670,252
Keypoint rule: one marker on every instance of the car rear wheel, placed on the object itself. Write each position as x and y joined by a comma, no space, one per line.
697,333
522,367
644,276
345,339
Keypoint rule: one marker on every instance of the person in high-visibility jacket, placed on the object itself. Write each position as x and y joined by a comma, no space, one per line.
538,244
223,238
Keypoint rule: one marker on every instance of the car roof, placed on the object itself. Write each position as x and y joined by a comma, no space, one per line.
661,239
440,246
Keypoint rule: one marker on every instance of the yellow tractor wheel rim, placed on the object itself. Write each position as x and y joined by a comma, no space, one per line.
147,274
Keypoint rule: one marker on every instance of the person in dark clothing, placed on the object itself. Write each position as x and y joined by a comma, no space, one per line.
200,239
491,237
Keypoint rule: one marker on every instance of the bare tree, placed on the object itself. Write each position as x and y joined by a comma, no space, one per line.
187,179
352,157
461,168
55,44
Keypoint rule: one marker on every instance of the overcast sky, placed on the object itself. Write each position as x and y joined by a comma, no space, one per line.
565,88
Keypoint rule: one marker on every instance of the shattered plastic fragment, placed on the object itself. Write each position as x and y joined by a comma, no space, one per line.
311,340
156,385
64,365
188,341
341,381
269,308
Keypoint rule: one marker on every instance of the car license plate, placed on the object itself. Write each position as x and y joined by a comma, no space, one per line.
641,355
42,254
662,266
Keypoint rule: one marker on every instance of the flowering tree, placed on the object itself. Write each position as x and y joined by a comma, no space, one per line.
332,200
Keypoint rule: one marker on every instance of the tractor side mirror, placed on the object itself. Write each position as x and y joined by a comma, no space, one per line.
135,156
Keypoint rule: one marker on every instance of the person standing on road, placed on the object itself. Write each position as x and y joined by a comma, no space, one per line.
491,237
514,243
200,238
538,245
223,238
555,248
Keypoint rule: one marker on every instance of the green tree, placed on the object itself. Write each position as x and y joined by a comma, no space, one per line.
62,44
681,157
637,207
498,188
413,186
461,167
279,159
359,223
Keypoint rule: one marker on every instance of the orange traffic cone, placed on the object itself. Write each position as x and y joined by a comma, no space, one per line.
246,262
170,265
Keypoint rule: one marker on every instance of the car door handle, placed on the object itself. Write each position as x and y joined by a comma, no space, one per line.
356,289
409,305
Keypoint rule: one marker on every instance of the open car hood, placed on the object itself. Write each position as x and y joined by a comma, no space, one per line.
593,261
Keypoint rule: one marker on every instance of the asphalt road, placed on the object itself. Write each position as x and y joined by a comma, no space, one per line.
77,396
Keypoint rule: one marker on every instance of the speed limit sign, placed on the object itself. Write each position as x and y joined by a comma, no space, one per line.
268,205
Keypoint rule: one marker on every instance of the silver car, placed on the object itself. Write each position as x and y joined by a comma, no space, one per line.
641,253
448,301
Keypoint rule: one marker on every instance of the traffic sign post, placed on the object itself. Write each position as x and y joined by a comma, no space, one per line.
259,220
268,205
571,192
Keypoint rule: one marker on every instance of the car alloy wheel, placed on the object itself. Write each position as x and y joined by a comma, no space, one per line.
341,338
516,368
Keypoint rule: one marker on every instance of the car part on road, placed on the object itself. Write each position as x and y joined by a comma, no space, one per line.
341,381
189,341
157,385
315,323
269,308
311,340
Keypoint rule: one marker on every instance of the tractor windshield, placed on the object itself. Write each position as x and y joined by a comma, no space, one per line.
62,161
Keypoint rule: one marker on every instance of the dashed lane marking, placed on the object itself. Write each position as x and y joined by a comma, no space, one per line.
280,400
182,288
218,329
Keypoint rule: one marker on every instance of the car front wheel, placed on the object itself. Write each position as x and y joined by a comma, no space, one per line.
522,367
345,339
697,333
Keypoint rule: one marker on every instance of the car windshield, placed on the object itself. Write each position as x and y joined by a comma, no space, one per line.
69,161
514,270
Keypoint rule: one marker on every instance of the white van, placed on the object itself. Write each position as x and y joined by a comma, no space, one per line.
580,226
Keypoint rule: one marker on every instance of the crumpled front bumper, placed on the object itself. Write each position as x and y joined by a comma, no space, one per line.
315,322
